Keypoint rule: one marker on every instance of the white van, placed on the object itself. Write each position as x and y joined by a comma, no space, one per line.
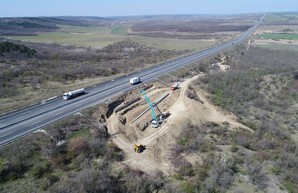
135,80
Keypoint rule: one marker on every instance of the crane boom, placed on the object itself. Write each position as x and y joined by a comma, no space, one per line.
150,103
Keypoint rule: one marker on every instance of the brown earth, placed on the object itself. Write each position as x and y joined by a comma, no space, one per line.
158,141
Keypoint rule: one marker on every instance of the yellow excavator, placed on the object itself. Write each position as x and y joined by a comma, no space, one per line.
139,148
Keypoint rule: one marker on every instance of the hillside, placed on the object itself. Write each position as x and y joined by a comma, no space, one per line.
228,131
230,126
28,26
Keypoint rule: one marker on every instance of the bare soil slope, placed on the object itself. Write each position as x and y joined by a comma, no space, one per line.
158,141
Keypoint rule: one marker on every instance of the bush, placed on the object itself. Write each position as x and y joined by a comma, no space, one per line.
8,47
234,148
42,169
221,176
291,187
79,145
49,181
185,169
295,75
12,170
257,175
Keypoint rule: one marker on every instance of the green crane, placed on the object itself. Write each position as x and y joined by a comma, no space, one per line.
154,123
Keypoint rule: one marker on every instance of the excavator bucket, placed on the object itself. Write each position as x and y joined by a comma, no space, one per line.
138,148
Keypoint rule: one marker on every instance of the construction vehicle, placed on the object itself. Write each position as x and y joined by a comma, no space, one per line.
174,86
164,114
73,94
156,120
139,148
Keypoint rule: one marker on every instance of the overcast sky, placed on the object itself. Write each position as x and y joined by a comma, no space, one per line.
104,8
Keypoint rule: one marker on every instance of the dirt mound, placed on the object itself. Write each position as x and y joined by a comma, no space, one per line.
188,103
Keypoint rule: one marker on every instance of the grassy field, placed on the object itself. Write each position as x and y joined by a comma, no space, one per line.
173,44
275,18
277,36
281,18
103,36
120,29
74,35
279,46
292,15
277,28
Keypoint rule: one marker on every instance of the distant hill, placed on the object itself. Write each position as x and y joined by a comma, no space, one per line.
32,25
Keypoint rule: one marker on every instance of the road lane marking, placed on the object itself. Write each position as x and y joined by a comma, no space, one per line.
6,134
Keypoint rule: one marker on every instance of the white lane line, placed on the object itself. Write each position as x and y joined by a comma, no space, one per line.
8,133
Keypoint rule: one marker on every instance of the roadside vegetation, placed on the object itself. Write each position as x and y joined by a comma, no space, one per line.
261,89
84,163
33,72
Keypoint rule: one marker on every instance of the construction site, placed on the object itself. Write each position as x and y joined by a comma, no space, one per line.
145,122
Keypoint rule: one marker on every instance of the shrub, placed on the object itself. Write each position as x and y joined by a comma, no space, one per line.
234,148
257,175
42,169
295,75
12,170
8,47
79,145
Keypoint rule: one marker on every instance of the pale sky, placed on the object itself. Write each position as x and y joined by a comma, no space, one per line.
106,8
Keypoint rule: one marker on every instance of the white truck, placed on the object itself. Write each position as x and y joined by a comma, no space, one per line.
135,80
73,94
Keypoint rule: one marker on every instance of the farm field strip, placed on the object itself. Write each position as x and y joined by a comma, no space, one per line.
99,37
75,35
286,36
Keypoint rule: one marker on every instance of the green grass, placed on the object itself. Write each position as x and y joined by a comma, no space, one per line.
275,18
292,15
103,36
281,18
173,44
278,36
120,30
75,35
83,132
291,187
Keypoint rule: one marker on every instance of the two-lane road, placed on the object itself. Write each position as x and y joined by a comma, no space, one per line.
16,124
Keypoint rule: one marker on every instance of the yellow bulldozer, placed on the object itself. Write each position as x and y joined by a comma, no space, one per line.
139,148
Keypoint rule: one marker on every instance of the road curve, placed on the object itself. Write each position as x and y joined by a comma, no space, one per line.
19,123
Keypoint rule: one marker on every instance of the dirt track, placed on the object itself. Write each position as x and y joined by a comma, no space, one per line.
159,141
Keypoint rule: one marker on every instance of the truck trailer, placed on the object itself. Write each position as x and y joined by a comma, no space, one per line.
73,94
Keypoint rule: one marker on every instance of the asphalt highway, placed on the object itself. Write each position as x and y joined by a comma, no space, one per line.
19,123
